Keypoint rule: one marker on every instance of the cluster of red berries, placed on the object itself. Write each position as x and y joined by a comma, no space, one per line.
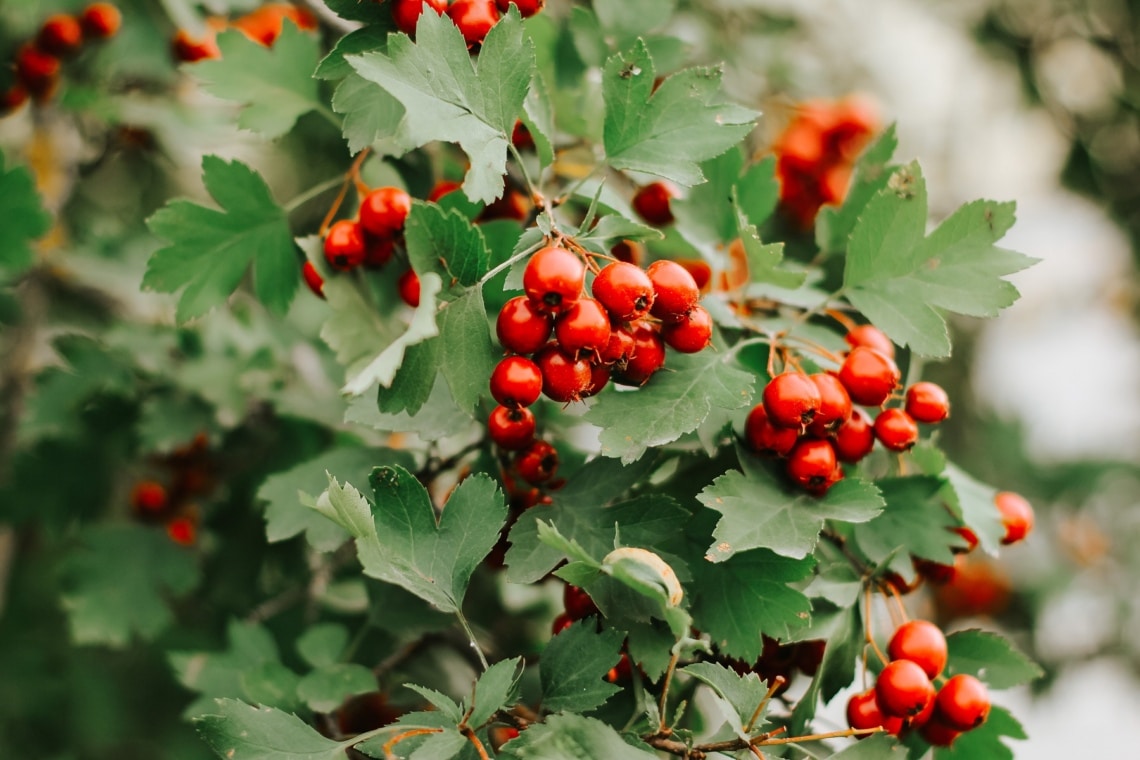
39,62
578,606
171,503
815,155
813,420
905,697
369,240
262,25
474,18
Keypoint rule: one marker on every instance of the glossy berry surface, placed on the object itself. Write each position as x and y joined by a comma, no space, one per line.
625,290
553,279
869,376
792,400
521,327
474,18
903,689
527,8
578,603
675,290
812,464
1016,516
652,203
344,245
691,334
538,463
963,703
100,21
60,35
834,403
564,377
313,279
927,402
764,437
408,287
871,337
584,326
896,430
648,355
863,712
511,428
516,381
406,13
921,642
384,211
855,438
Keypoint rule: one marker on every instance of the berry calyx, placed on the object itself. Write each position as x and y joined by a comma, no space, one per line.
553,279
812,464
903,689
871,337
869,376
313,279
578,603
896,430
792,400
511,428
625,290
921,642
691,334
584,326
834,403
648,355
100,21
406,13
344,245
1016,516
527,8
384,211
863,712
474,18
409,288
855,438
521,327
564,377
764,437
652,203
537,464
516,381
675,290
619,348
963,703
927,402
60,35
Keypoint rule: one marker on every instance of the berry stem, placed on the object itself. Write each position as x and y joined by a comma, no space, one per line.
777,682
662,729
347,180
868,613
388,745
300,200
510,262
471,737
471,639
844,320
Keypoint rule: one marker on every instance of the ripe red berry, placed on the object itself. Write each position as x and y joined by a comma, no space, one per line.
521,327
599,377
409,288
442,188
149,496
406,13
474,19
553,279
622,671
903,689
812,464
922,643
578,603
60,35
584,326
648,355
182,531
100,21
691,334
561,623
625,290
619,348
871,337
963,703
863,712
1016,516
521,137
511,428
537,464
36,70
377,250
384,211
516,381
313,279
628,251
564,377
344,245
499,735
190,49
527,8
675,290
927,402
834,403
792,400
764,437
652,203
855,438
869,376
895,429
937,734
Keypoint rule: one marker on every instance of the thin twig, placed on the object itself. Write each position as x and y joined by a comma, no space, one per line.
471,639
777,682
662,729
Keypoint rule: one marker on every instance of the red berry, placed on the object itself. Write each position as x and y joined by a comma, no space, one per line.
442,188
474,19
903,689
871,337
1016,516
863,712
792,400
511,428
619,348
149,496
855,438
812,464
691,334
622,671
869,376
409,287
512,205
648,355
383,212
578,603
561,623
313,279
625,290
652,203
896,430
377,250
675,290
553,279
12,98
500,735
564,377
36,70
100,21
584,326
527,8
937,734
521,327
60,35
927,402
191,50
182,531
521,137
538,463
599,378
963,703
516,381
834,403
628,251
922,643
406,13
934,572
344,245
764,437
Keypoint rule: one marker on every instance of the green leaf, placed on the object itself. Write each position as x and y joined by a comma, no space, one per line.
168,419
675,401
573,737
670,131
447,707
274,84
633,17
991,658
243,732
363,40
210,250
447,243
324,689
912,520
705,217
25,219
903,280
741,693
437,418
270,684
833,224
538,116
370,114
322,644
974,502
495,689
836,670
758,510
450,96
414,382
984,742
467,355
876,747
574,665
223,674
116,582
763,260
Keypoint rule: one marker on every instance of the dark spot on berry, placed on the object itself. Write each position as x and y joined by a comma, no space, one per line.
552,299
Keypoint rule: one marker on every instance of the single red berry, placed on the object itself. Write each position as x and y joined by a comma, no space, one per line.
619,348
599,377
937,734
60,35
869,376
384,211
521,137
927,402
792,400
100,21
812,464
474,19
628,251
500,735
36,70
834,403
149,496
12,98
564,377
561,623
921,642
521,327
313,279
553,279
406,13
584,326
578,603
516,381
442,188
764,437
182,531
963,703
903,689
512,205
1016,516
675,290
648,355
895,429
691,334
511,428
344,245
652,203
920,720
527,8
855,438
537,464
871,337
377,250
863,712
625,290
934,572
409,287
190,49
622,671
809,655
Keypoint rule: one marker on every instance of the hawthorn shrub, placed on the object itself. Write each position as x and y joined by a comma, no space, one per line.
631,455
